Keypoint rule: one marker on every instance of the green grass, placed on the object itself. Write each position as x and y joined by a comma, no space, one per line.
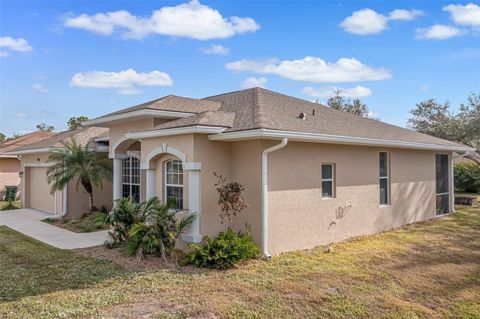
86,224
426,270
4,205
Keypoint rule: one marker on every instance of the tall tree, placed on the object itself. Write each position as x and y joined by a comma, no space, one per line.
75,122
2,137
355,106
434,118
82,164
44,127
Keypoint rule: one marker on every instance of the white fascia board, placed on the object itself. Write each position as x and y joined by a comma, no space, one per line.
7,156
176,131
32,151
138,113
333,139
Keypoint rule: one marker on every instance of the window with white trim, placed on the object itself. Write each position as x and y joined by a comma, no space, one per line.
328,180
174,182
384,178
131,178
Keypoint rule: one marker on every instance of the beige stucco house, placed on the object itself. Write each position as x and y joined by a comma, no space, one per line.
10,164
313,175
70,202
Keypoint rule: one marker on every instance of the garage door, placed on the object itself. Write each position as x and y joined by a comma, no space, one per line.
39,191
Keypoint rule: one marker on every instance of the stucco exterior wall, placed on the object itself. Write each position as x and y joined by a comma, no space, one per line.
9,174
298,216
77,201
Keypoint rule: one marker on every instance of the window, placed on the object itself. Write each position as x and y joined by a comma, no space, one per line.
174,182
328,182
442,186
384,179
131,178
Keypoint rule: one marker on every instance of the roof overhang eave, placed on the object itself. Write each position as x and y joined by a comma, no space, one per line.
332,139
122,117
176,131
30,151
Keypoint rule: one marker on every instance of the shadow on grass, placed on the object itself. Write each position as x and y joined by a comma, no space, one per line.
29,267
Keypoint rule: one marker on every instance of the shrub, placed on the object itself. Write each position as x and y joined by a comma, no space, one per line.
158,232
230,199
124,214
223,251
467,177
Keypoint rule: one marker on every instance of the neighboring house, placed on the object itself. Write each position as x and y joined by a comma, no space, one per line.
313,175
73,200
10,164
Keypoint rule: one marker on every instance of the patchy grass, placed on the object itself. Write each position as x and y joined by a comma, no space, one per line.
4,205
88,223
426,270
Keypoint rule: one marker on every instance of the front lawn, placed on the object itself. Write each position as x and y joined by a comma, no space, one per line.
90,222
426,270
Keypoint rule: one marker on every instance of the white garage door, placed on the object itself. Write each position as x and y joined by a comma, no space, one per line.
39,191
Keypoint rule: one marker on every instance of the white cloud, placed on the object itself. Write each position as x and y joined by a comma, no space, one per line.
328,91
467,15
21,114
368,21
11,44
314,69
252,82
437,32
365,21
191,20
424,88
126,82
216,49
40,88
405,15
373,115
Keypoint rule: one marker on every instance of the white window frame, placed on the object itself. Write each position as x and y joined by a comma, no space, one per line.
165,184
328,180
385,178
130,184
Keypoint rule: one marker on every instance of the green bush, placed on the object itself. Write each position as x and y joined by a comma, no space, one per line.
124,214
467,177
223,251
158,231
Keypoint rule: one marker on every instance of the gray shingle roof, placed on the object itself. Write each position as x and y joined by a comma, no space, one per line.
259,108
82,136
24,140
173,103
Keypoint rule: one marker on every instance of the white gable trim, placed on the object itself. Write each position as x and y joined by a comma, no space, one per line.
138,113
176,131
333,139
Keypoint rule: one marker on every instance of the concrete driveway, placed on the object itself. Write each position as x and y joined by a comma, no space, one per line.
28,222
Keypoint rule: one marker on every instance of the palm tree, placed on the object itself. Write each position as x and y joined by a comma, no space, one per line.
80,163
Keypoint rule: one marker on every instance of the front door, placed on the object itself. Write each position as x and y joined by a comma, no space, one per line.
442,184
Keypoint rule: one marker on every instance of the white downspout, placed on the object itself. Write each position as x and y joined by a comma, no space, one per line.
265,193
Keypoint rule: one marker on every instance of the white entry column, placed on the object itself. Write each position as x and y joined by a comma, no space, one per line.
117,178
150,183
193,170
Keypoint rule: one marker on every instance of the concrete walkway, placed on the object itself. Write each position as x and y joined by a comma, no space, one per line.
28,222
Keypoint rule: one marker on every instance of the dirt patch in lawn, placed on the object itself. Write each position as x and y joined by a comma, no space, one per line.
88,223
132,263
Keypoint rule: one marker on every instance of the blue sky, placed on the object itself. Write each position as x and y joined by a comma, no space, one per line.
64,58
